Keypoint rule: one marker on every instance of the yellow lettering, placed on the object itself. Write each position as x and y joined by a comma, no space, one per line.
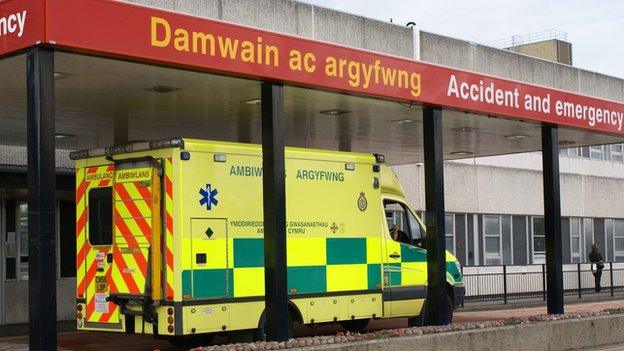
330,66
181,41
271,55
388,75
247,52
228,47
415,84
309,60
295,60
342,63
201,41
354,73
403,79
160,22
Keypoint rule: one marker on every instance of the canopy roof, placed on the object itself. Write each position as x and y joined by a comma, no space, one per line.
157,74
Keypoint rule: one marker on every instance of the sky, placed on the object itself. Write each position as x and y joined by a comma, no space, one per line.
595,28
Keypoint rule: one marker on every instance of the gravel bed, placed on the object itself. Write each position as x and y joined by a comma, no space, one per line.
340,338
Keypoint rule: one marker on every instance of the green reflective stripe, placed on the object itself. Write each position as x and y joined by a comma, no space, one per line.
346,250
207,283
374,276
393,272
186,283
248,253
452,269
412,254
307,279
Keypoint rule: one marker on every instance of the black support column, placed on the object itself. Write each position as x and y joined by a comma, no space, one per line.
552,219
274,192
434,217
41,199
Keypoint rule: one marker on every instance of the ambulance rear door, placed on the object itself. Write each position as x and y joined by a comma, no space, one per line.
136,256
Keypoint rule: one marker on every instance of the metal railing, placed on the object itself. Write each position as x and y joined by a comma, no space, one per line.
530,38
504,283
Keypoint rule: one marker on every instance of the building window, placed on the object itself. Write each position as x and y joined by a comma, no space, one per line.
588,233
449,224
584,152
618,240
616,153
22,216
507,241
575,240
608,249
67,239
596,152
492,239
10,241
539,240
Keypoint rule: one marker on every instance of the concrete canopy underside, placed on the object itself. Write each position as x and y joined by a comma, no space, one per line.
98,97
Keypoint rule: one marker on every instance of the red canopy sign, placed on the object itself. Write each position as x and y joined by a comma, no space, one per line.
21,24
117,29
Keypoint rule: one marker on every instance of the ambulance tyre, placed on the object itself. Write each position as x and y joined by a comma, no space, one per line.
259,334
421,319
354,325
192,341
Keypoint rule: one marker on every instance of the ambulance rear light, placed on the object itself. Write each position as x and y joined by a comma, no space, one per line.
379,158
127,148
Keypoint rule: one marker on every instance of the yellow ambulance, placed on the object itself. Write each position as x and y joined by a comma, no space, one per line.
170,240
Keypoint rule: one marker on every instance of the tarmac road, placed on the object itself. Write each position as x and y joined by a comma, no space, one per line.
92,341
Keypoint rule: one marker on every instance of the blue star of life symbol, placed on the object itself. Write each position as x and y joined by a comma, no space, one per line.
208,197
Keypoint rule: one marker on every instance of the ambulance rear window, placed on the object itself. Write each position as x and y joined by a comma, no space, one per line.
101,216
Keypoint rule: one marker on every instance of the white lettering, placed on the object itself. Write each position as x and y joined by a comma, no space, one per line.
21,22
452,89
15,22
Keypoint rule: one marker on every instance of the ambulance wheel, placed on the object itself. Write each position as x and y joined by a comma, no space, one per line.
259,334
355,325
421,319
189,342
449,309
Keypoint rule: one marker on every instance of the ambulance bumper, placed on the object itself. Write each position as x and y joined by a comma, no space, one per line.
459,291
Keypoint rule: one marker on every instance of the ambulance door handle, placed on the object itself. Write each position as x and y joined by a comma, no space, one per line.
395,255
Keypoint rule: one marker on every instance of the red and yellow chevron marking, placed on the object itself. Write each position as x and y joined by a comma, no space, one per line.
132,214
91,177
169,274
87,256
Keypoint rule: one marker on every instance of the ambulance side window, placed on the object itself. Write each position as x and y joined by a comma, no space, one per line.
402,224
101,216
415,229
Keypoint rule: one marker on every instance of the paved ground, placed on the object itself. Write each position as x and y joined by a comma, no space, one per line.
83,341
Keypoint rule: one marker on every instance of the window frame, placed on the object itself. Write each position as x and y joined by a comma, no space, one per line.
619,154
535,253
579,237
490,256
593,237
450,233
617,254
88,225
406,209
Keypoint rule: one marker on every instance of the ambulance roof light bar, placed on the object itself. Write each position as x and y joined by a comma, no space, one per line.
126,148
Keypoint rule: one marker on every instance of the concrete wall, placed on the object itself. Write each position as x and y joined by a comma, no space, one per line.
472,187
575,334
15,302
300,19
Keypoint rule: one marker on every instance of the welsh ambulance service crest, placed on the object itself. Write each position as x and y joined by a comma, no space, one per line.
362,202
